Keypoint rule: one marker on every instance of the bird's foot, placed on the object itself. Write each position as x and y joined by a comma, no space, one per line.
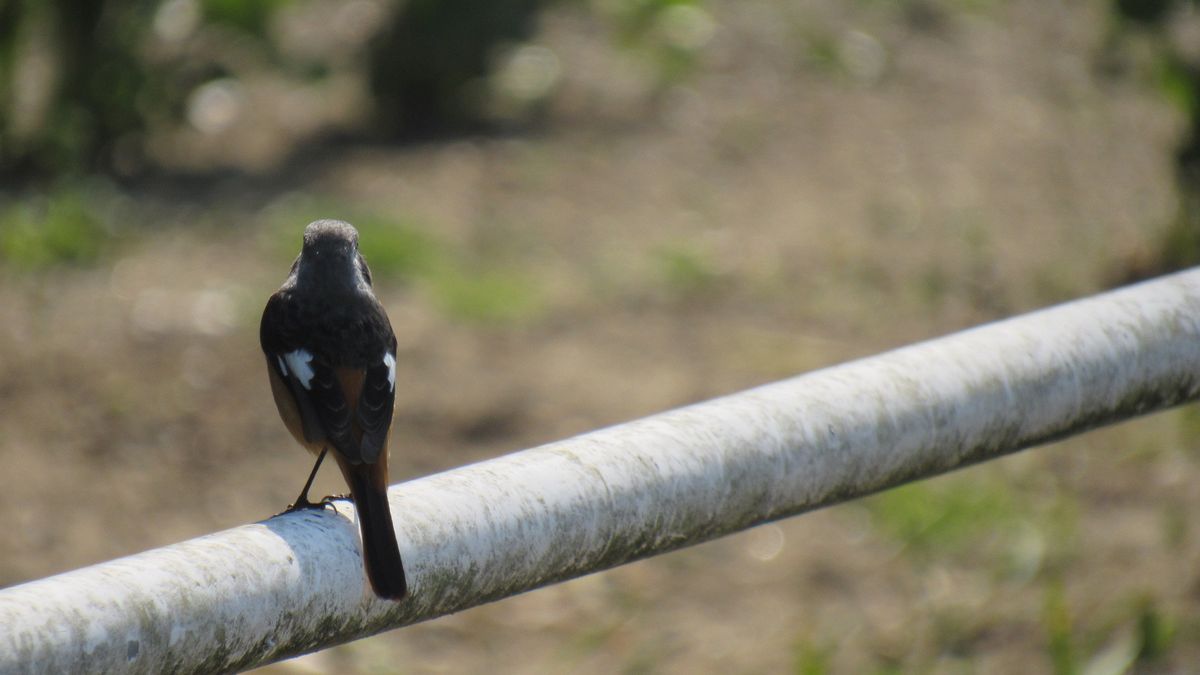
328,501
304,503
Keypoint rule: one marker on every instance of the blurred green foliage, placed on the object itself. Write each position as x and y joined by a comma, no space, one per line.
63,226
427,65
687,270
1177,81
1058,623
1155,631
1178,78
1148,12
84,83
250,17
946,515
811,659
85,60
670,32
486,295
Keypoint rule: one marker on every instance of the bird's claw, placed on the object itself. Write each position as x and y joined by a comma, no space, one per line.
305,503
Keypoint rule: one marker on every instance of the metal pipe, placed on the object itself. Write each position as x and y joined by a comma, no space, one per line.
294,583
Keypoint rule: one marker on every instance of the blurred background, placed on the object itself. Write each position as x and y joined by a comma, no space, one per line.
584,211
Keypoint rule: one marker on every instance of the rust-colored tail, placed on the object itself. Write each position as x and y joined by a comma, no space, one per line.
381,555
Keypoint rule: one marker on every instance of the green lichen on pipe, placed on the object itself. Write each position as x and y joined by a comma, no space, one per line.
294,583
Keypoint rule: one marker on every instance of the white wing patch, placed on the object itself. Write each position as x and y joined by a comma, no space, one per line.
390,362
282,365
298,362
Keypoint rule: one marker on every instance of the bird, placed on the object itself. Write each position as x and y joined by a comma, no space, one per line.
331,360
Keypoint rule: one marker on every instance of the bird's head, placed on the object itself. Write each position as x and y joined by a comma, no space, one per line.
330,256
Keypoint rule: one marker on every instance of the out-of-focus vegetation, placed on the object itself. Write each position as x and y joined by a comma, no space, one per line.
1177,73
75,86
117,86
939,516
96,85
69,224
428,67
687,270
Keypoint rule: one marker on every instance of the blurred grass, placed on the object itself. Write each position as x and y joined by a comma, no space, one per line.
69,225
1155,630
686,270
1057,623
670,34
404,250
945,515
487,295
811,658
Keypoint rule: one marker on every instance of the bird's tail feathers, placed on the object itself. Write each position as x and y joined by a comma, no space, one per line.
381,554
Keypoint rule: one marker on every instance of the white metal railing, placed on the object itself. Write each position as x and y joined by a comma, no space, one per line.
294,583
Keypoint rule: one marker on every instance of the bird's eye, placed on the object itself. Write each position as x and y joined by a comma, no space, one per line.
366,271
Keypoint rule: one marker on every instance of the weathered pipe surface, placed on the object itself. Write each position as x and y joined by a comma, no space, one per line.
294,583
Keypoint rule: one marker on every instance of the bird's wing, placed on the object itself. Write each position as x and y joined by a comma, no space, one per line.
375,406
310,377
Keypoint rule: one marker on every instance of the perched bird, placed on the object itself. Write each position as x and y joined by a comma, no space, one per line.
331,358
